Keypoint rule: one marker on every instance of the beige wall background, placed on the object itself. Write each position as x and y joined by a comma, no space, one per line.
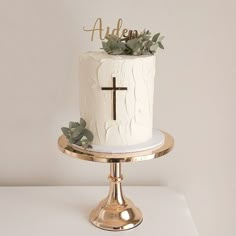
194,97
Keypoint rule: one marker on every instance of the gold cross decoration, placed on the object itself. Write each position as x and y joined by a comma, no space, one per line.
114,88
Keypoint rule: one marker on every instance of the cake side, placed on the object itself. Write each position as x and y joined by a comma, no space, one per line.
134,82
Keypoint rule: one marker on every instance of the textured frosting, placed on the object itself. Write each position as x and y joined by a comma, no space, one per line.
134,106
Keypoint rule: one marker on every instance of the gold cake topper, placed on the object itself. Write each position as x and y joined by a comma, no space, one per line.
98,26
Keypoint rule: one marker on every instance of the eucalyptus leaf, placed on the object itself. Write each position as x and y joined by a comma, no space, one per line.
148,44
88,134
121,45
80,137
77,131
155,37
161,38
82,122
71,140
154,47
160,45
142,44
65,130
78,134
106,47
133,43
73,124
145,37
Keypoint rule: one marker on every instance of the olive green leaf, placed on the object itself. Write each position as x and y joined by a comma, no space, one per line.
160,45
82,122
133,43
88,134
155,37
154,47
142,44
65,131
78,134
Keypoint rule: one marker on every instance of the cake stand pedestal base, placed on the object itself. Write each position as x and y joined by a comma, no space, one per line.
116,212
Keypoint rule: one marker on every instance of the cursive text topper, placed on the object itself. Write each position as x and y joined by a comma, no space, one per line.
116,31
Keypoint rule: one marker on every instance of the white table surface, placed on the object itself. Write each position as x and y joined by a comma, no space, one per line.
49,211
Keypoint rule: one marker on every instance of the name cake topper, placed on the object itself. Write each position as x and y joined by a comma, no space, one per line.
98,26
124,41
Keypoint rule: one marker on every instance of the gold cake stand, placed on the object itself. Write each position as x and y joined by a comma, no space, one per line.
116,212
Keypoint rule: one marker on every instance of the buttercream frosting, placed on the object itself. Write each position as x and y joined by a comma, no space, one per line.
134,106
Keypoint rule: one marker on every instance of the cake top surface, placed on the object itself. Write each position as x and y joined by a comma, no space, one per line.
101,55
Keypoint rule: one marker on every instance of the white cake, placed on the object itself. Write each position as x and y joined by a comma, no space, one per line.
123,118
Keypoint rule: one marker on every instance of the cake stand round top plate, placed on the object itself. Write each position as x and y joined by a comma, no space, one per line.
162,147
157,139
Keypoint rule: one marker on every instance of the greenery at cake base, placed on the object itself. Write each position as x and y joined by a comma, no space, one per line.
142,44
78,134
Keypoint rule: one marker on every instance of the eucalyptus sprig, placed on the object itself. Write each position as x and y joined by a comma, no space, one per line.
78,134
143,44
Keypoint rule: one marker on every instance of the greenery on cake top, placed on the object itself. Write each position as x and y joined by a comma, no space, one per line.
78,134
142,44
